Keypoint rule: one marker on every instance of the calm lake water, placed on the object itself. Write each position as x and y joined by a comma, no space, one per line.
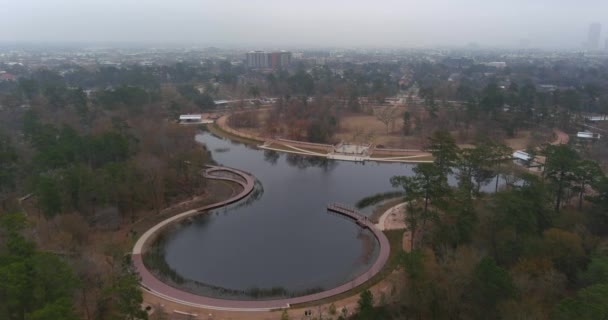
284,236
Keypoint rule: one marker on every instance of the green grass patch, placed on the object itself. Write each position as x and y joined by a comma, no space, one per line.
377,198
381,209
215,129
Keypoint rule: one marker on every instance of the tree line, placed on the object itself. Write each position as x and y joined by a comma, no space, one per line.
535,248
88,166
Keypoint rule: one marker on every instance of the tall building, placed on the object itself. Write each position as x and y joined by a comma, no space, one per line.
275,60
593,38
264,60
257,60
606,45
284,59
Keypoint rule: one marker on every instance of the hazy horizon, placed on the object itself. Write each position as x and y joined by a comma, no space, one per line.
381,23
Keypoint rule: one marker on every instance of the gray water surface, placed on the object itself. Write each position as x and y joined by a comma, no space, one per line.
285,238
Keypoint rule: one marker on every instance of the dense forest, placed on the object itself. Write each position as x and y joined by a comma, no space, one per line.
78,175
535,249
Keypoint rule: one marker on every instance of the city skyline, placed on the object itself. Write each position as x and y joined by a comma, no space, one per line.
385,23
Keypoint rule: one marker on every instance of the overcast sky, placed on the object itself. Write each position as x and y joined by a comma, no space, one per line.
386,23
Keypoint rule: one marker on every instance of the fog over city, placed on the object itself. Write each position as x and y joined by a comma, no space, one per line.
386,23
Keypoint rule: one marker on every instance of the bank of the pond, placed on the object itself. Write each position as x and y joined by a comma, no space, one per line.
222,128
156,259
395,244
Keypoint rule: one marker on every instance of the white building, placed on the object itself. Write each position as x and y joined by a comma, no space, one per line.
193,119
588,135
258,59
190,118
496,64
597,118
521,155
350,152
523,158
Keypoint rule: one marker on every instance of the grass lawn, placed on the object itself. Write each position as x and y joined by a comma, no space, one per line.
215,129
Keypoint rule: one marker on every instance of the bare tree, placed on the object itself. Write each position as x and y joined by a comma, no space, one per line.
387,116
407,123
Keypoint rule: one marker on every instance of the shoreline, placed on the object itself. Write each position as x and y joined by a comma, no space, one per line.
222,128
151,284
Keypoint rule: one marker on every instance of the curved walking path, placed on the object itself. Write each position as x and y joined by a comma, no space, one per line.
294,147
382,225
167,292
394,219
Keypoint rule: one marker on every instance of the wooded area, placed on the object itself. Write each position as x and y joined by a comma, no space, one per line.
533,249
95,166
79,169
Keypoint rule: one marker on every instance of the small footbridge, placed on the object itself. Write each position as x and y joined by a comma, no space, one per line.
352,213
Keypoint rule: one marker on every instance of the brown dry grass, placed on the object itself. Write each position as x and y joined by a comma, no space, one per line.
363,128
366,128
259,131
521,141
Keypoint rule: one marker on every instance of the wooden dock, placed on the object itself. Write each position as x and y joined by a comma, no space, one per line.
361,220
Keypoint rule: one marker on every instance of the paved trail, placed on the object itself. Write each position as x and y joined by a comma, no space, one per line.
247,181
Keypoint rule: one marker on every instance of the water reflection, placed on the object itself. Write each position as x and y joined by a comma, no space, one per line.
271,156
255,195
282,236
302,162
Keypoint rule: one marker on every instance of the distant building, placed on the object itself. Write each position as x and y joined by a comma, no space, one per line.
523,158
593,37
588,135
221,103
275,60
459,62
284,59
257,59
350,152
193,119
594,118
5,76
190,118
265,60
547,87
496,64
